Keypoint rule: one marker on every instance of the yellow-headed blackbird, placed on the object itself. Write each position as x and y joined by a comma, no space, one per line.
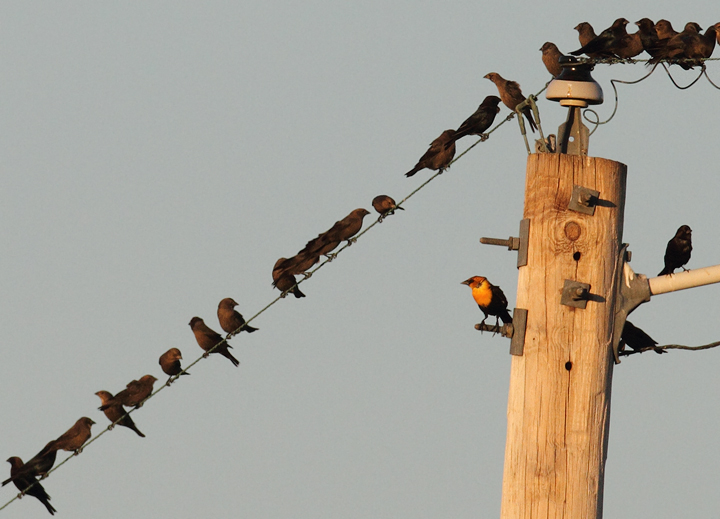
116,412
489,298
24,481
677,252
511,95
207,338
439,156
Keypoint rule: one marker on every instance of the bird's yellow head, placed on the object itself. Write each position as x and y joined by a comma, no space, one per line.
474,282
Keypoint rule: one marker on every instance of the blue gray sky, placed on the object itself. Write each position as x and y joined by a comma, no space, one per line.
159,156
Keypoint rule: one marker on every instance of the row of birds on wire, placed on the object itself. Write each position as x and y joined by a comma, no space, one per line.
660,41
489,298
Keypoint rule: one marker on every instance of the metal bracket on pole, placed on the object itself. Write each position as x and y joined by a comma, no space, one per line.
514,331
573,135
519,244
575,294
631,290
583,200
530,101
517,343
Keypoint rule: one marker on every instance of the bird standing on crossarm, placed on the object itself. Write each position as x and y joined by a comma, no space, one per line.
677,252
489,298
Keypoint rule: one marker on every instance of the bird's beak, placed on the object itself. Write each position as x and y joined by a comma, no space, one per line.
466,282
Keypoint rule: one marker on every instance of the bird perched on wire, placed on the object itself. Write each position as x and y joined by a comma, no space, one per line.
385,206
677,252
135,392
170,364
586,34
22,482
481,120
607,43
489,298
511,95
301,263
230,319
37,466
689,45
345,229
665,30
116,412
551,58
74,438
439,156
285,282
637,339
648,36
208,338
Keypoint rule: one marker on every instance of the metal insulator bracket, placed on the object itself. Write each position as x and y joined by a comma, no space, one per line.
583,200
575,294
519,244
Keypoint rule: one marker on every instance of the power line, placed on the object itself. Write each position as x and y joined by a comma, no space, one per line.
330,259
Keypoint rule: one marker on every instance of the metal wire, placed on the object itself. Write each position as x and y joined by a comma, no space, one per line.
671,347
270,304
353,240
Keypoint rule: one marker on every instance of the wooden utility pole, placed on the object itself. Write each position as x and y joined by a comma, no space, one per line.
559,400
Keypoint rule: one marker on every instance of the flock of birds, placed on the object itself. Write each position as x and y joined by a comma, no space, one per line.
659,40
662,43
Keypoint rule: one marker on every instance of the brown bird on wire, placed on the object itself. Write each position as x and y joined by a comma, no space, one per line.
489,298
135,392
22,482
230,319
116,412
649,36
480,120
170,364
439,156
511,95
208,338
38,466
345,229
609,42
385,206
665,30
285,282
677,252
74,438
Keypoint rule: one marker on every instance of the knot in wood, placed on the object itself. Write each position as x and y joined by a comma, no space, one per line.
572,231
